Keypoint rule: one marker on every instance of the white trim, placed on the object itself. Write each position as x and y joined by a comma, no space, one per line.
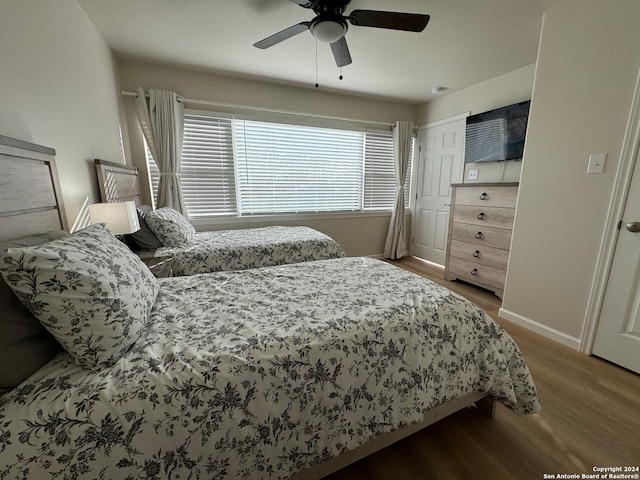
617,203
543,330
444,121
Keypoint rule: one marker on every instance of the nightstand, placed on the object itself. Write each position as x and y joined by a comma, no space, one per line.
159,266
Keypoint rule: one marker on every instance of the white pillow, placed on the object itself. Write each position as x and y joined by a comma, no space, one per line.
170,226
88,290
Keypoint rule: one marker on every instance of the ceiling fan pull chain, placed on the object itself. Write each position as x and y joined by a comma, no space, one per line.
316,63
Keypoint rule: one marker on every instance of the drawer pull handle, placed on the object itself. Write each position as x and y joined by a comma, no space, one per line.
480,216
484,196
478,235
476,253
474,272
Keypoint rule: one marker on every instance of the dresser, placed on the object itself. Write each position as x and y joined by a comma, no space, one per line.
480,226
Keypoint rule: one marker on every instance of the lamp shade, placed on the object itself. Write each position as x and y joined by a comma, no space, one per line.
120,217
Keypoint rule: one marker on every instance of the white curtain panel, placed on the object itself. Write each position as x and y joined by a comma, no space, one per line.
396,244
162,123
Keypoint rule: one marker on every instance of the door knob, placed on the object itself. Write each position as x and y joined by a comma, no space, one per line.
633,227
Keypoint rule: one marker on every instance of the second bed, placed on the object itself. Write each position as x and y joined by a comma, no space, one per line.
214,251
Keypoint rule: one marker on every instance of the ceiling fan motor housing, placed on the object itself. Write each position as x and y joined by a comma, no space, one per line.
330,7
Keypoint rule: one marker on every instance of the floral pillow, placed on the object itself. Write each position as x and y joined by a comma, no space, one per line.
170,226
88,290
25,345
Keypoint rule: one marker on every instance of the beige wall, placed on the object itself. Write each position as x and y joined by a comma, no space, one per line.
58,89
587,67
512,87
359,235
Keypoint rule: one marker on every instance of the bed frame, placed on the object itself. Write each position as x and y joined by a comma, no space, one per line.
30,196
118,182
31,202
485,403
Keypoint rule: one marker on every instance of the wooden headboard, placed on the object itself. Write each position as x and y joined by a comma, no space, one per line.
30,196
118,182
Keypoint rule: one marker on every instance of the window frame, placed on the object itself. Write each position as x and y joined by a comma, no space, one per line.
242,218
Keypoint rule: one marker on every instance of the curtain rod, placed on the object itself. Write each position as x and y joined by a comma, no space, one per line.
262,109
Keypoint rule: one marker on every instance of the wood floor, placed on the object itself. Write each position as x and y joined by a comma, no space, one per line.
590,418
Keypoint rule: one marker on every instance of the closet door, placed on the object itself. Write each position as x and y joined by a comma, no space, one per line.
618,334
440,163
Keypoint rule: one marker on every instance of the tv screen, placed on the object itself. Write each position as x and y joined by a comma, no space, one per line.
497,135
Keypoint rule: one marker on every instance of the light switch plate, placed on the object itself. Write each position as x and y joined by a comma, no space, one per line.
473,174
597,162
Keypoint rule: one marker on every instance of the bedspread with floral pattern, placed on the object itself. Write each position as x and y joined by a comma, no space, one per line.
260,373
226,250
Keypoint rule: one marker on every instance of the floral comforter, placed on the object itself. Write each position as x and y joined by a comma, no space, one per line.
227,250
260,373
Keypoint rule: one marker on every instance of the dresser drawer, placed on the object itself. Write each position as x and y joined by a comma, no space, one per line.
482,215
482,236
487,196
477,273
490,256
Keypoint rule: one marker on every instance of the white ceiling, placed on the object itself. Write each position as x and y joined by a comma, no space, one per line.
465,43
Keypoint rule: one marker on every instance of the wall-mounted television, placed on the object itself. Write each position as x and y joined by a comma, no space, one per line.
497,135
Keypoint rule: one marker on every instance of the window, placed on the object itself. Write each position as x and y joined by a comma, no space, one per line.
289,168
246,167
380,181
208,174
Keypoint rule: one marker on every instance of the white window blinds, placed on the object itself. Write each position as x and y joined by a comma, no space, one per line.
379,178
292,168
207,175
245,167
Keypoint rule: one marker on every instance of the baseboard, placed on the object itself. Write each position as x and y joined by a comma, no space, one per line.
543,330
378,256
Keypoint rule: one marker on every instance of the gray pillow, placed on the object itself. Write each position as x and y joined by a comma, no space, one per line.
144,239
25,345
89,291
170,226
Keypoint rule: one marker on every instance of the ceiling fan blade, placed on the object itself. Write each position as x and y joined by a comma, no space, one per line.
410,22
303,3
283,35
341,52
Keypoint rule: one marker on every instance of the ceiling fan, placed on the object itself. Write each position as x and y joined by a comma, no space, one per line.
330,25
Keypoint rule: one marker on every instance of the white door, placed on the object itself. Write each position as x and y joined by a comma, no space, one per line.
618,333
440,163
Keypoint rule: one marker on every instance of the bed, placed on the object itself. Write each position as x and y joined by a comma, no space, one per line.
287,371
213,251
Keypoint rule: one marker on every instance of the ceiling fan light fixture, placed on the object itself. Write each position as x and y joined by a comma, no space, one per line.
328,31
